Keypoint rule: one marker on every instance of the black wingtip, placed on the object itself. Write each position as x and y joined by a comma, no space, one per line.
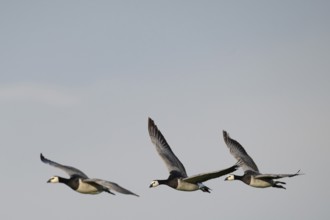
151,125
297,174
42,158
150,122
225,134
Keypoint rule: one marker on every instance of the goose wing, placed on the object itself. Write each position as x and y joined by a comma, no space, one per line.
207,176
276,176
240,154
110,186
164,150
71,171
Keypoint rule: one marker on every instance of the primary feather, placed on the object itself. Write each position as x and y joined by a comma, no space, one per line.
211,175
164,150
246,162
71,171
110,186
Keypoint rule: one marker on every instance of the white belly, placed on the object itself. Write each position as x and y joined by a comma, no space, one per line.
260,183
184,186
87,188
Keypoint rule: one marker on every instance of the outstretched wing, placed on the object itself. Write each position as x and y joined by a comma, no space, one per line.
71,171
276,176
110,186
164,150
240,154
207,176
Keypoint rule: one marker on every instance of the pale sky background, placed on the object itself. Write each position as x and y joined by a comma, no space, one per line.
78,80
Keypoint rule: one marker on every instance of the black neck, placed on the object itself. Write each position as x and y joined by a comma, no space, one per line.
238,177
63,180
73,182
162,182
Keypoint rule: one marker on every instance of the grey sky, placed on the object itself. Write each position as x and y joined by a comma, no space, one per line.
78,80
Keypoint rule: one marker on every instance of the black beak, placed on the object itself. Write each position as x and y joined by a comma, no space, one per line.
226,179
48,181
150,185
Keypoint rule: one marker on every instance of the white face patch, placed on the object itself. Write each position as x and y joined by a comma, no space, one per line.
230,177
53,179
154,183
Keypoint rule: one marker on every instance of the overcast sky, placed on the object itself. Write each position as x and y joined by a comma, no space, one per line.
78,80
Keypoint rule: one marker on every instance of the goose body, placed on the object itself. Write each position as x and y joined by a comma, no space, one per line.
77,184
89,188
178,178
252,176
260,183
80,182
179,183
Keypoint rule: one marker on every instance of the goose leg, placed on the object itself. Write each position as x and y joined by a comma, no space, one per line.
205,189
277,184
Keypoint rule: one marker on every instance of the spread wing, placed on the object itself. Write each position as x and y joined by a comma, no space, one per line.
207,176
240,154
110,186
276,176
71,171
164,150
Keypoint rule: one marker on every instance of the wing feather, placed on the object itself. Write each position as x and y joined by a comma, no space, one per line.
71,171
240,154
164,150
211,175
110,186
276,176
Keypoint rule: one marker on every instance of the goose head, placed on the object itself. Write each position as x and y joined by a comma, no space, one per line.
54,179
230,177
154,183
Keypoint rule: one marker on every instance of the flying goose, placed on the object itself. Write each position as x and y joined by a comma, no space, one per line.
178,178
79,181
252,176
